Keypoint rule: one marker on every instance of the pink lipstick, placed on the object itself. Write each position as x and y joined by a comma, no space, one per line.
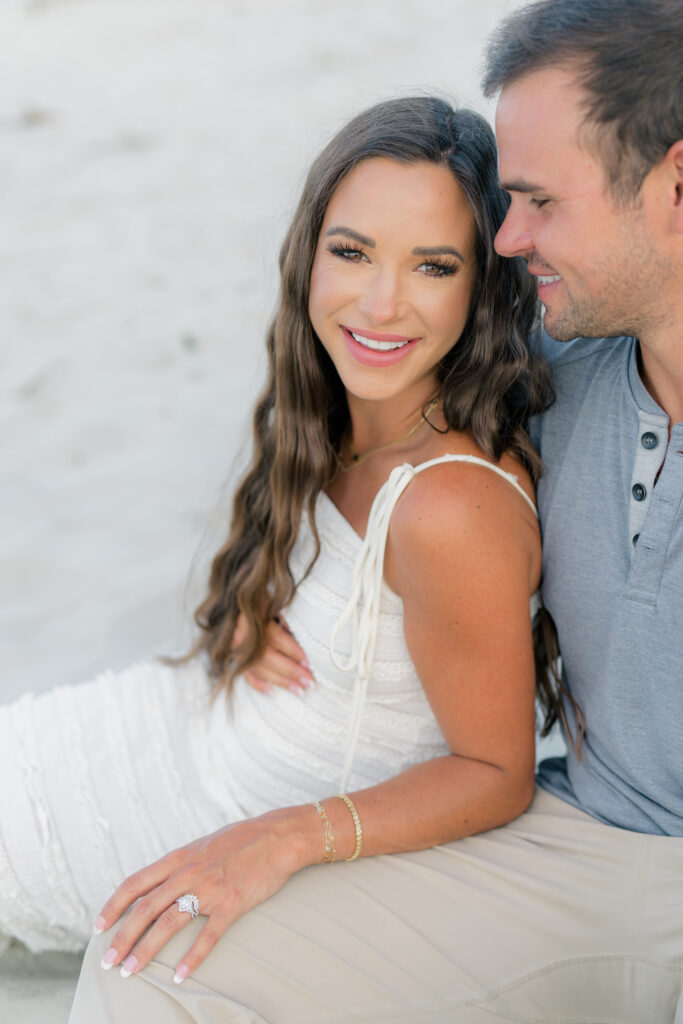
374,349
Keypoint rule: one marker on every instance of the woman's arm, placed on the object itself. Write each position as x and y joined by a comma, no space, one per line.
463,554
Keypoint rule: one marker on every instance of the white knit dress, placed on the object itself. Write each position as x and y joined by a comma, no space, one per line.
100,779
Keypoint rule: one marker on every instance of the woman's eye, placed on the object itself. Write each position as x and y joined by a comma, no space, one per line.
538,203
437,269
347,252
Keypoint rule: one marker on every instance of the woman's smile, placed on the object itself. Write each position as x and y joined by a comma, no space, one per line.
374,349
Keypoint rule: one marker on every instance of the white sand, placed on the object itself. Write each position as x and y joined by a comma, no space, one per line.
151,154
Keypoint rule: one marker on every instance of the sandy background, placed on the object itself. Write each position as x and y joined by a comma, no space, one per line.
151,153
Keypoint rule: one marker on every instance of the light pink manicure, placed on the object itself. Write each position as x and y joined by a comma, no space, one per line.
99,926
108,958
181,973
129,966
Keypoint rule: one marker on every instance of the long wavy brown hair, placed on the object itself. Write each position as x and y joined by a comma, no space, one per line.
490,381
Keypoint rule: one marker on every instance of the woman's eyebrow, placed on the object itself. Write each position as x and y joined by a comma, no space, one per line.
419,250
438,250
350,233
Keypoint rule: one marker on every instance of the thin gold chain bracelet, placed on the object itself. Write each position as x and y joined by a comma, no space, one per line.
330,852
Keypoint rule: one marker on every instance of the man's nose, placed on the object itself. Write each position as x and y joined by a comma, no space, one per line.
514,237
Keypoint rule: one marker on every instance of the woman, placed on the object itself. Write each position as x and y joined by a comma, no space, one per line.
389,513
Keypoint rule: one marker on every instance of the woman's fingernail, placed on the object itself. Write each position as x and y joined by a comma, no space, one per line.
305,681
267,688
129,966
181,973
99,925
297,690
306,664
108,958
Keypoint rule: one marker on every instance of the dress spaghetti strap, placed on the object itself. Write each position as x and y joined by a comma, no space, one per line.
362,608
476,461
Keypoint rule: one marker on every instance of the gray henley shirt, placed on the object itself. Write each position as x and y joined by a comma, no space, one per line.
613,582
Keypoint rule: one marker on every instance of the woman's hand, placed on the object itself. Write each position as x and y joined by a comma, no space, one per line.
229,872
283,663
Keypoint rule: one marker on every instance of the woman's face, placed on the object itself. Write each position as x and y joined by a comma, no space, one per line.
393,276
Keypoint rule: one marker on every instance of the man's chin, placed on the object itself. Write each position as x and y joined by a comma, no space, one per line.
585,322
560,328
568,323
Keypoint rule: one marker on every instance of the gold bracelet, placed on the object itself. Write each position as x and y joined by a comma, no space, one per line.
330,852
356,824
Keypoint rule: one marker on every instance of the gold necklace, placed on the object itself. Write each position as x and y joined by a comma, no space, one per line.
355,458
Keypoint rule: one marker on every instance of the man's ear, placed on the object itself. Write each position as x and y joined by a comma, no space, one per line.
674,159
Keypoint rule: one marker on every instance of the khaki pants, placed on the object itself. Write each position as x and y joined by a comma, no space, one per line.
553,919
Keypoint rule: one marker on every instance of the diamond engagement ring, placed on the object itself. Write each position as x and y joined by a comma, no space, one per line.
188,904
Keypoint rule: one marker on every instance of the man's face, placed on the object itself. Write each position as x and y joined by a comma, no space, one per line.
598,265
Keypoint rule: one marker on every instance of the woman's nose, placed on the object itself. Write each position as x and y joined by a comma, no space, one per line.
382,298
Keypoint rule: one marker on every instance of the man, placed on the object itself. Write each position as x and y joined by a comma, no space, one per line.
574,912
593,161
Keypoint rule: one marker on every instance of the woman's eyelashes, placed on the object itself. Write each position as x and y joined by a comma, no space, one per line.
347,251
438,268
431,268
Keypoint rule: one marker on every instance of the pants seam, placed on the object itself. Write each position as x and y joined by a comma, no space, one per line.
479,1002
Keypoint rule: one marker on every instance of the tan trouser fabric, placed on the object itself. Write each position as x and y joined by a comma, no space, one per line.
553,919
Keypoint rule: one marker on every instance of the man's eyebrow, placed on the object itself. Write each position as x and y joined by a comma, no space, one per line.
350,233
437,250
520,185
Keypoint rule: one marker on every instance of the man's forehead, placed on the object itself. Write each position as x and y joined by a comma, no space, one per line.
539,121
548,100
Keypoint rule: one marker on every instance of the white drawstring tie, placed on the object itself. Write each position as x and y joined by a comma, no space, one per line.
366,588
366,585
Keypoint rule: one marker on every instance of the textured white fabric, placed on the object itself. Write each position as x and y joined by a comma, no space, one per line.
100,779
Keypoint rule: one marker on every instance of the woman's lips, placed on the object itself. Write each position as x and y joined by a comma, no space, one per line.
374,349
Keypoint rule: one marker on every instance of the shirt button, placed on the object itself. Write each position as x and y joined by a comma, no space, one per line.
649,440
635,538
638,491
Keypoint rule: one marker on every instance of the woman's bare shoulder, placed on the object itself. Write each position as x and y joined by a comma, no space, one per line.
460,509
462,486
